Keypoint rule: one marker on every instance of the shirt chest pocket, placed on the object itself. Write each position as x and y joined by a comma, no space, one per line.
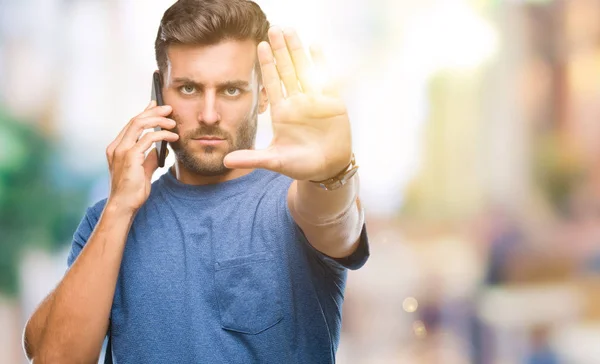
248,293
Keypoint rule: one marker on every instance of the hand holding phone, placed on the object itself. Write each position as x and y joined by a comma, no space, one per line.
161,146
130,168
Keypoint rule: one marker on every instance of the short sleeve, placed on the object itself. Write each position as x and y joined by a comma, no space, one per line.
354,261
84,231
360,256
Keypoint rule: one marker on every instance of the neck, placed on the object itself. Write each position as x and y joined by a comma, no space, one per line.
190,178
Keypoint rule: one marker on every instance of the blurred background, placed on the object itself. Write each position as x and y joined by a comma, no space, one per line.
475,124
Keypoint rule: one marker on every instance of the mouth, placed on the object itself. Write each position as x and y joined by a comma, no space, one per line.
208,140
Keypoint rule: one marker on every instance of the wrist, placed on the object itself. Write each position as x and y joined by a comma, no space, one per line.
340,179
117,208
334,168
314,203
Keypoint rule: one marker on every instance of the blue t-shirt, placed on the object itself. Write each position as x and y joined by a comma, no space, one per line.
222,274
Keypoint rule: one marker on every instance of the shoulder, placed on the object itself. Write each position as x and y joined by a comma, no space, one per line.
89,221
275,187
94,211
85,229
270,186
273,179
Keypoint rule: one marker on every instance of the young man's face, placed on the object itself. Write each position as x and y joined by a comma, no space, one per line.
216,96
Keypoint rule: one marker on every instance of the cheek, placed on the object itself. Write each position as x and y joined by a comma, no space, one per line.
183,110
237,111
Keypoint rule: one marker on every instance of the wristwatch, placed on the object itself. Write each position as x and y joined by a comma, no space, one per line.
341,178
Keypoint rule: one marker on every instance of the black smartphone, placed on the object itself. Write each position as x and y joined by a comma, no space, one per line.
161,146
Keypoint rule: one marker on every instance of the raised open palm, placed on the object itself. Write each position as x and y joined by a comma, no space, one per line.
311,129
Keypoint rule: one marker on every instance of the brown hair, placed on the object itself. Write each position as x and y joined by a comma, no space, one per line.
208,22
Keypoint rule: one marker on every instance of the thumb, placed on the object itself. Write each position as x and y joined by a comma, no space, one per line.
150,105
151,162
246,159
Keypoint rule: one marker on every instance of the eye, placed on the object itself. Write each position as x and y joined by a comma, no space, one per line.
232,91
187,89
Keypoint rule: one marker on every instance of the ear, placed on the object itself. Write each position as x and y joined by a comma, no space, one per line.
263,99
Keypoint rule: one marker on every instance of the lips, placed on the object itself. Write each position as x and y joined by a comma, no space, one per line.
208,138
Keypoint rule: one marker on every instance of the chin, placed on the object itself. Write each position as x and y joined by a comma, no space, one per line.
204,163
212,172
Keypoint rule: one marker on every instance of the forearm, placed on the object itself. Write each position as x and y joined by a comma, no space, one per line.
319,206
35,327
76,318
331,220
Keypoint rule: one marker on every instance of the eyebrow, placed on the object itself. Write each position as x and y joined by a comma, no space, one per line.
232,83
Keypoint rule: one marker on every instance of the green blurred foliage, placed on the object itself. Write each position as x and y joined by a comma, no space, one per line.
40,202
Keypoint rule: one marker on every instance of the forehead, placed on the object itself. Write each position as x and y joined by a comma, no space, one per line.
230,59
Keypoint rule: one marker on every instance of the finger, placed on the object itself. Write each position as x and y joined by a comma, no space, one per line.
164,110
140,124
150,110
283,61
300,59
151,162
246,159
321,74
270,76
147,111
148,139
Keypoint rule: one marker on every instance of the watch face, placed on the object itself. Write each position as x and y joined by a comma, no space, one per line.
340,182
330,186
350,174
341,179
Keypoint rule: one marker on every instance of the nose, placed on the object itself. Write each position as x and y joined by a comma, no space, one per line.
209,113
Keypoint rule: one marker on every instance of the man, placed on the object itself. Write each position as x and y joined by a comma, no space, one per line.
235,255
